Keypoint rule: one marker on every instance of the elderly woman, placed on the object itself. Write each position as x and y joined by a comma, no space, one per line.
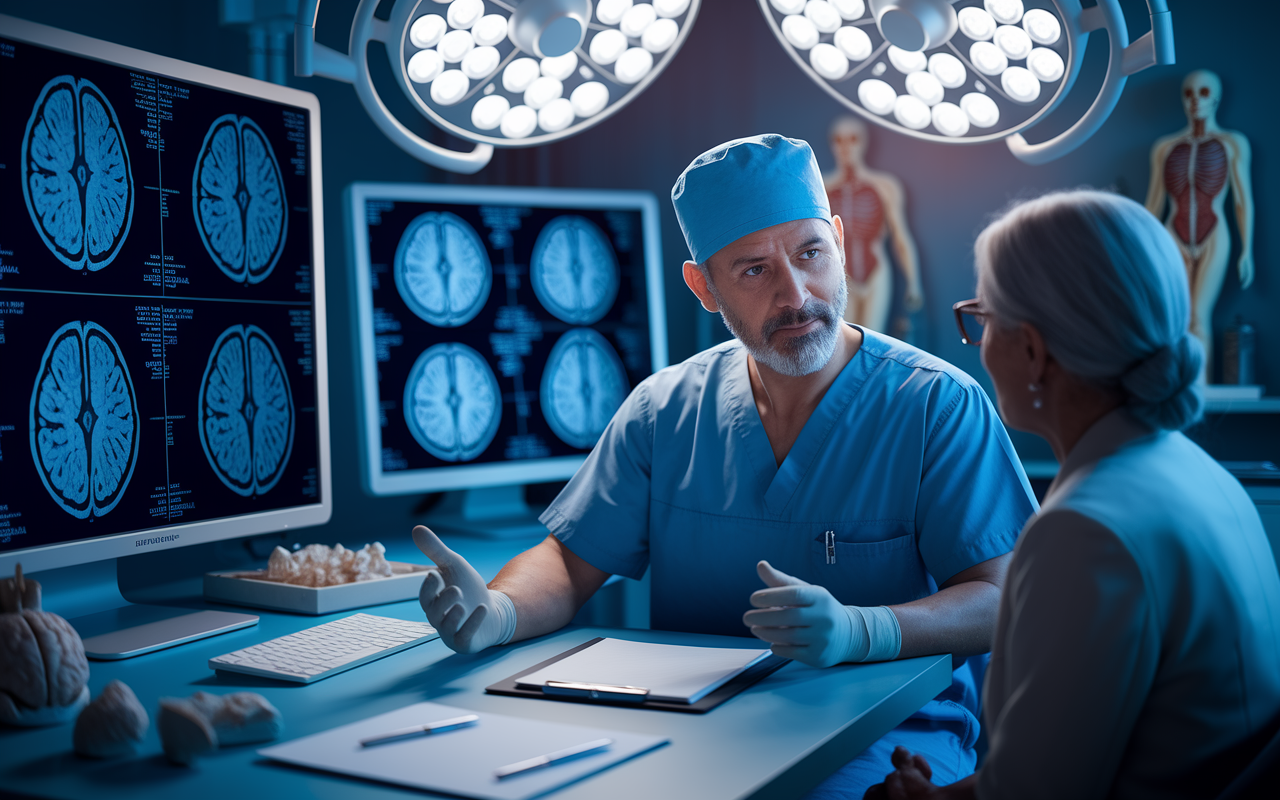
1137,650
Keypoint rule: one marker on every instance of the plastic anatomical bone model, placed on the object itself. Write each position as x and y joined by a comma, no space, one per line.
872,206
1192,170
195,725
112,725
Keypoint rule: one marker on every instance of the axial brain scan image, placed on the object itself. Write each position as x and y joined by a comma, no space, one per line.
75,174
451,402
84,420
246,411
239,199
583,385
442,269
575,273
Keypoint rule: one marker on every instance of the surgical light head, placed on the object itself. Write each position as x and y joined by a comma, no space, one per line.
965,71
744,186
502,73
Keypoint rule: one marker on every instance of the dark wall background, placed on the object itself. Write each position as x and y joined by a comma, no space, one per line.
733,79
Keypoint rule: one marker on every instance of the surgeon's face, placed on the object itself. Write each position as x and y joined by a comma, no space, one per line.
781,292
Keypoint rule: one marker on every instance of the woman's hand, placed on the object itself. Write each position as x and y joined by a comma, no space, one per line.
909,781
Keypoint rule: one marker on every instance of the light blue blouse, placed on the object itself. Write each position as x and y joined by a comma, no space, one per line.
904,459
1137,653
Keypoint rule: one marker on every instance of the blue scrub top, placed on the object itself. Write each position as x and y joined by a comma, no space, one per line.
904,459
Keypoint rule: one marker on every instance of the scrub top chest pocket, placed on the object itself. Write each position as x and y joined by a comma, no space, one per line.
874,564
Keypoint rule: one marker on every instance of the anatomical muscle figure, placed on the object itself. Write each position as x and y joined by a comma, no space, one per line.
871,204
1192,169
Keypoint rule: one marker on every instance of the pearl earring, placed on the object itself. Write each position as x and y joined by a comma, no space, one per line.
1036,402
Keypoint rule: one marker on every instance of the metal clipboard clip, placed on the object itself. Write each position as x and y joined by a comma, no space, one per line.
596,691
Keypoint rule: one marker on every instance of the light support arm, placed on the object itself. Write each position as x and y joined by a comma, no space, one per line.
304,38
1155,47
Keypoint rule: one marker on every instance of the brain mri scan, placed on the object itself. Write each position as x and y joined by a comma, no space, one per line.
451,402
246,411
84,420
442,269
575,274
75,174
239,199
583,385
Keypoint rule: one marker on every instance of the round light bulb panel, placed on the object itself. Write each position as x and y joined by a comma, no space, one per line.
637,40
954,92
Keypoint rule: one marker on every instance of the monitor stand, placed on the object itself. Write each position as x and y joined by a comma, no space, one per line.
88,596
493,512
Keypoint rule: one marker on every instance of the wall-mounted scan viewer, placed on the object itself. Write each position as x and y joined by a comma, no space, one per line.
966,71
513,73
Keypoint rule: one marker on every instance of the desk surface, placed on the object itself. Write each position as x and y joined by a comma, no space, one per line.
777,739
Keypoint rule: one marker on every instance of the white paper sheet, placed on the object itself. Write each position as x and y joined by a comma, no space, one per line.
671,672
460,761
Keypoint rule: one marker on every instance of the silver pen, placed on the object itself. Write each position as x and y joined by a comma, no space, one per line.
421,730
552,758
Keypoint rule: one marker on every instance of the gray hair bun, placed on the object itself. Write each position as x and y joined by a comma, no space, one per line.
1163,388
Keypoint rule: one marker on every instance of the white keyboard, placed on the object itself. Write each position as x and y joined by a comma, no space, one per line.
327,649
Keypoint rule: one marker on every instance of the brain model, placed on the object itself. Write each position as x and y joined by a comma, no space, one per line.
192,726
442,269
43,669
320,565
574,272
583,385
246,411
451,402
239,199
84,420
75,174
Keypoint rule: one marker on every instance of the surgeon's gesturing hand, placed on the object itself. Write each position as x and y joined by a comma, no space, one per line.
804,622
469,615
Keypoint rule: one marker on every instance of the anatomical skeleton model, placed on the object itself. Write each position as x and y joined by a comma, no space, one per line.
1193,169
871,204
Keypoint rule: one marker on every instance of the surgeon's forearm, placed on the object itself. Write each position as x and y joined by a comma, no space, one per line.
547,584
959,619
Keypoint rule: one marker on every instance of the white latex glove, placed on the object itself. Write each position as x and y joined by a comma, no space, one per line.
469,615
804,622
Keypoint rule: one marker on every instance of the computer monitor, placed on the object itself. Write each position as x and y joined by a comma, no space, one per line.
162,314
498,330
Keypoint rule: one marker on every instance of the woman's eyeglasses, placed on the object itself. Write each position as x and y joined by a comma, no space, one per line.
971,319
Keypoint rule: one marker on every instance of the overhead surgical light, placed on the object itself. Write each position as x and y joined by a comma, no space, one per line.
501,73
966,71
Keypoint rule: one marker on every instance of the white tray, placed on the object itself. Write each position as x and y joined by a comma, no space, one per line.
252,589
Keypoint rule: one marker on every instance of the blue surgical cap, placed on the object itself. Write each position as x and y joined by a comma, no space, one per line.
744,186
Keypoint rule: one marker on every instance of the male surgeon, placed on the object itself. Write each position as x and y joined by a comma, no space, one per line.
830,490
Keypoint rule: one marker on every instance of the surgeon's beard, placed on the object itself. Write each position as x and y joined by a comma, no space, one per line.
799,355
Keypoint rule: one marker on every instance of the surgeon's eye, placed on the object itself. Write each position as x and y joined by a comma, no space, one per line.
812,253
756,270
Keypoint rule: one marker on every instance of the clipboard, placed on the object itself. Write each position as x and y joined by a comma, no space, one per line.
631,696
